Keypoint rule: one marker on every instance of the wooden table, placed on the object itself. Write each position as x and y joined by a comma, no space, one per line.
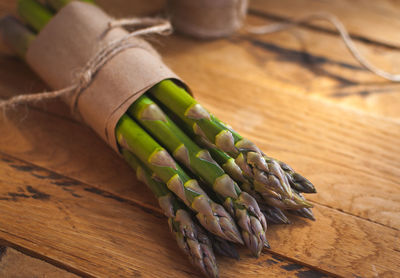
71,207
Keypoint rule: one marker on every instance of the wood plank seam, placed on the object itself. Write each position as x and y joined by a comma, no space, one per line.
157,210
151,210
3,250
99,191
354,215
42,257
291,262
278,257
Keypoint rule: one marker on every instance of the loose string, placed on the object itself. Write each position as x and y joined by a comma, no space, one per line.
107,52
276,27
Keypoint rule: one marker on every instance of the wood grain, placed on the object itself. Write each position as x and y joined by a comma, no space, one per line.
199,63
90,231
302,58
376,21
350,227
14,264
352,157
319,64
286,84
355,154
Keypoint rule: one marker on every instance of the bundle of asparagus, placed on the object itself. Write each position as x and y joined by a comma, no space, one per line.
227,188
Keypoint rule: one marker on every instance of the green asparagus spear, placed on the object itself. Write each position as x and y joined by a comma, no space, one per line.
195,242
240,204
172,207
275,215
271,197
304,212
263,174
210,214
297,181
272,214
191,238
34,13
15,35
223,247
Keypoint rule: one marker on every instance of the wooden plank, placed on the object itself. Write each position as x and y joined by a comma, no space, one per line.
58,144
318,64
100,234
356,155
301,58
332,176
352,157
376,21
14,264
337,143
200,61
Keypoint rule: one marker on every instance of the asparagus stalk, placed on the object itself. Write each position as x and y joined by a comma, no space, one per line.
15,36
304,212
267,177
273,214
297,181
172,207
271,197
191,238
240,204
223,247
210,214
34,13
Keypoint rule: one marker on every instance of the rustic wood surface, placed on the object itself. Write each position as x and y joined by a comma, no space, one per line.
316,62
14,264
69,201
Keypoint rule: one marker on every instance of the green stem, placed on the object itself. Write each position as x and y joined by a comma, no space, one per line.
35,14
211,215
240,204
149,115
265,175
130,135
158,189
189,236
15,35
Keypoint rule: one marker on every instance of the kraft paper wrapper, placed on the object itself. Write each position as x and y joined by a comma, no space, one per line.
68,42
207,18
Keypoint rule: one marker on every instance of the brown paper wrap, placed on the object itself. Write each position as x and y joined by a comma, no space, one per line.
207,18
70,40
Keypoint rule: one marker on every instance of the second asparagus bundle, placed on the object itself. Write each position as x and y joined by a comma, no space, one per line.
214,186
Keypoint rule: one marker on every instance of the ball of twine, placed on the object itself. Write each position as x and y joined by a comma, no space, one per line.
207,19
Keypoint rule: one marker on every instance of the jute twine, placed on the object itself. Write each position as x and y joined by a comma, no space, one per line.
163,27
276,27
207,19
101,57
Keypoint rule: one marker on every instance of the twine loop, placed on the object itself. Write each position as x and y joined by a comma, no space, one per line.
108,51
276,27
160,26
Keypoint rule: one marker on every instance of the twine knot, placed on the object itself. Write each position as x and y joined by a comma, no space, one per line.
85,77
